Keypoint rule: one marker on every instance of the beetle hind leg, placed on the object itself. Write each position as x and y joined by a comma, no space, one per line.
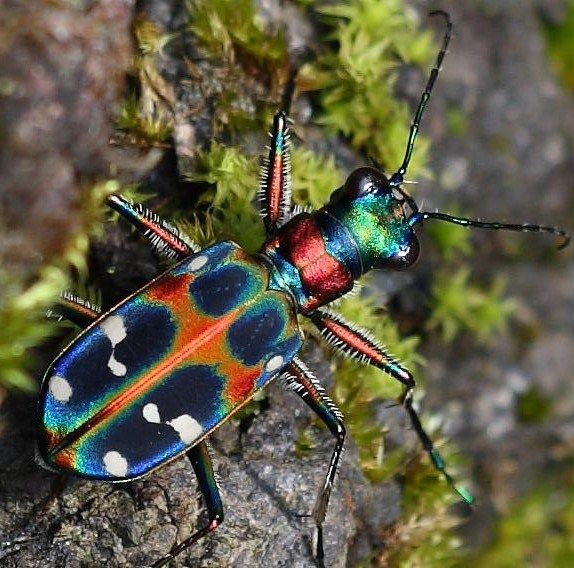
353,342
301,380
74,309
203,467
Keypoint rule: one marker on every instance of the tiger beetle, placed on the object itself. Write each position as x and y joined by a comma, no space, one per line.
154,376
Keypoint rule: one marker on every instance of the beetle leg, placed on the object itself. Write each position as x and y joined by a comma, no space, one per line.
76,310
303,382
356,343
166,240
203,467
275,181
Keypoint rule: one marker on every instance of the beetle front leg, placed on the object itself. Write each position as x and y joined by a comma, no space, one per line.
166,240
355,343
275,184
303,382
203,467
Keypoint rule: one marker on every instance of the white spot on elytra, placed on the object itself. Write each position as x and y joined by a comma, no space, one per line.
188,428
116,464
60,388
117,368
151,413
274,363
198,262
114,328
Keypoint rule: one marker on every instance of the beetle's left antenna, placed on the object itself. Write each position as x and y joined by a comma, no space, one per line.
398,177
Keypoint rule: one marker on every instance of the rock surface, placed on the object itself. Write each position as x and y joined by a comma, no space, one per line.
58,95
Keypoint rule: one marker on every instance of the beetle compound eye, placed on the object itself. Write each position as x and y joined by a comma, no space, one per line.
364,181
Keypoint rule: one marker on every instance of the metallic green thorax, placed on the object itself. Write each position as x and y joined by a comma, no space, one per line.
375,219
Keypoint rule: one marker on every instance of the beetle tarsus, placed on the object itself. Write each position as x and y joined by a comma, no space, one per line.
201,461
305,384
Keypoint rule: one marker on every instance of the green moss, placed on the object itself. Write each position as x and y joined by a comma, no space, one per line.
533,406
150,129
357,77
314,178
231,28
233,183
425,536
459,306
537,531
560,46
147,116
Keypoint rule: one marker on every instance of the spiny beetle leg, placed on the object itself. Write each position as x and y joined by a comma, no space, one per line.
166,240
356,343
434,455
275,182
76,310
301,380
203,467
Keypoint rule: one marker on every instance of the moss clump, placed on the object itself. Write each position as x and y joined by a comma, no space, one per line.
230,29
249,61
357,77
459,306
145,128
146,116
233,181
425,535
315,177
560,46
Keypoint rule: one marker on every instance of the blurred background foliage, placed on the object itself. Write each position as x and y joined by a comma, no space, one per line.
560,46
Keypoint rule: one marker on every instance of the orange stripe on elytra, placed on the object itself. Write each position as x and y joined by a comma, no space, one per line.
147,381
197,335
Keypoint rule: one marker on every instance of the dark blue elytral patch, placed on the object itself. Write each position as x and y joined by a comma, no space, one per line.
254,336
172,417
108,359
194,390
221,290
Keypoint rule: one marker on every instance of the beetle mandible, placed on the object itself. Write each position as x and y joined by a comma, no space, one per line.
220,324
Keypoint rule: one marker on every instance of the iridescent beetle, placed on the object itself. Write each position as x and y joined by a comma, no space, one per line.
150,379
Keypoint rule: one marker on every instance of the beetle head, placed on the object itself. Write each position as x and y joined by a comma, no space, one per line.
372,210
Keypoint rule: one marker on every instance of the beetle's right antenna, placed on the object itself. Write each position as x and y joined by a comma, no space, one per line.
420,216
398,177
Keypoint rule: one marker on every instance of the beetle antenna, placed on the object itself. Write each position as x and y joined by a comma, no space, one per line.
397,177
464,222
